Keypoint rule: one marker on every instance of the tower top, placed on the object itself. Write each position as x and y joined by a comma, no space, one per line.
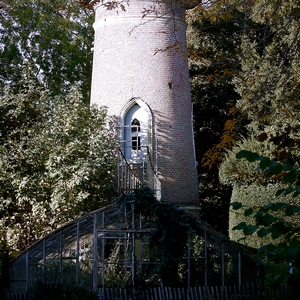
186,4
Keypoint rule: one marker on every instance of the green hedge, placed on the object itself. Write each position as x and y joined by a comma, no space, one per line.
255,195
251,188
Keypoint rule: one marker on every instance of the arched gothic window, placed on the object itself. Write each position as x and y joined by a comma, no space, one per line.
136,125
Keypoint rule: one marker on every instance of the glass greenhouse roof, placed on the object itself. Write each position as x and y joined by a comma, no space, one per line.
110,247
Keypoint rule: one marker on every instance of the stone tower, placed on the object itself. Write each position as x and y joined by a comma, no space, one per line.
140,73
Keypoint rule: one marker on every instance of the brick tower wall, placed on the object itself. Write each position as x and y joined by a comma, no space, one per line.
141,52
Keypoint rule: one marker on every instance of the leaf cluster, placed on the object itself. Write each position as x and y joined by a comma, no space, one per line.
272,219
168,240
56,36
213,50
268,83
265,78
57,161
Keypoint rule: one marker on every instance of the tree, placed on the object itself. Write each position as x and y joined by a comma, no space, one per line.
264,70
213,50
252,188
276,223
56,36
268,85
57,161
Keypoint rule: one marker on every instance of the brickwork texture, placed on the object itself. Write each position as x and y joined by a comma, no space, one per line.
140,51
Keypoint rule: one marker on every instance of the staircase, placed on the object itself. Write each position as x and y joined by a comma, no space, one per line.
137,173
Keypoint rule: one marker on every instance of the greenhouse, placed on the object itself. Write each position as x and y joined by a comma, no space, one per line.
115,247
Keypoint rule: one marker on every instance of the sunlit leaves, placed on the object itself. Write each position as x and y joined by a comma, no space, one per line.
272,168
272,219
57,160
54,35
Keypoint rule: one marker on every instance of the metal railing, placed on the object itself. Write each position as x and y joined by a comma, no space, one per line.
137,171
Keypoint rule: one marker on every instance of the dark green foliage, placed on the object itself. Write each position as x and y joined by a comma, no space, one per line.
171,228
213,49
267,182
168,241
278,220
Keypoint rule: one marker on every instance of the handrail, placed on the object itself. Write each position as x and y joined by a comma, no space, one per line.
137,173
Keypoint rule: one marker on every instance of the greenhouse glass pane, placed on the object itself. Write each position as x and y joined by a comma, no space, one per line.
53,247
69,242
36,264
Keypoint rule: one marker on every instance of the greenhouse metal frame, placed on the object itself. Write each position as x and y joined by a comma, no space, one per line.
110,247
